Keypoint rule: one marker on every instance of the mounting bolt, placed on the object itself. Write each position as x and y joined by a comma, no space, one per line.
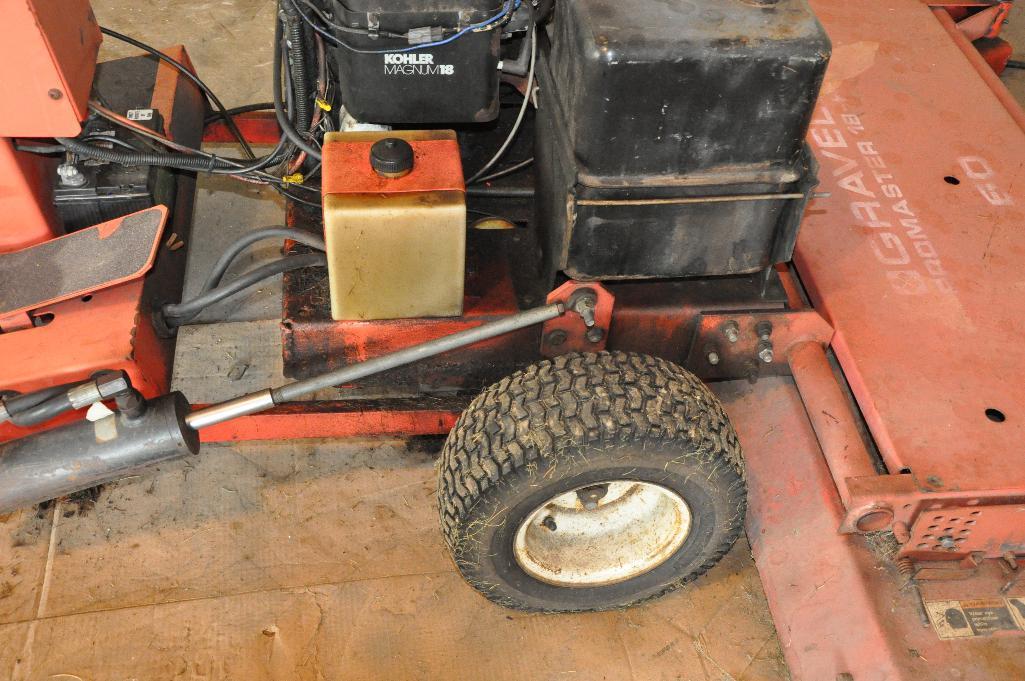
751,370
947,542
595,334
712,355
763,330
731,330
583,303
765,352
70,176
549,523
55,94
556,338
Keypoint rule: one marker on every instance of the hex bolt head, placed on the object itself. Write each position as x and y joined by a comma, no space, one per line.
712,355
947,542
765,352
731,330
70,176
55,94
549,523
556,338
763,330
583,303
752,370
111,383
595,334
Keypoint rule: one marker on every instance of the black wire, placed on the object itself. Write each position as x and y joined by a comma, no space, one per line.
279,108
107,138
178,314
182,161
214,100
239,110
501,192
136,158
296,199
357,30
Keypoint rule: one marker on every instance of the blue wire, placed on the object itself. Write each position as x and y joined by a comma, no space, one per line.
508,7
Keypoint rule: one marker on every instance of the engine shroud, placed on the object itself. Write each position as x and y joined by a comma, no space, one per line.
670,135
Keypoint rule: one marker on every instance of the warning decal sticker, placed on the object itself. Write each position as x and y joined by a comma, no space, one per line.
966,619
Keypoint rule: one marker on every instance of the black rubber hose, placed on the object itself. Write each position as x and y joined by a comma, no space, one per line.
501,192
178,314
43,412
279,108
16,404
246,240
296,44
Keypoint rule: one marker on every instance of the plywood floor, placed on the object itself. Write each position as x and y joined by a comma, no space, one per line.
321,560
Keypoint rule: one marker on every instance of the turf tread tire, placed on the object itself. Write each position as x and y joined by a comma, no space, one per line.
580,401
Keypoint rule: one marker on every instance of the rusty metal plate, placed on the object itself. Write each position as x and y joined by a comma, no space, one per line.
750,344
963,530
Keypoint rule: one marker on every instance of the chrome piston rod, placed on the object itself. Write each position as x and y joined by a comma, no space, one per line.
265,399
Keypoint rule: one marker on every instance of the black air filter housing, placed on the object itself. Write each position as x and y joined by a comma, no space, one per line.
671,135
452,83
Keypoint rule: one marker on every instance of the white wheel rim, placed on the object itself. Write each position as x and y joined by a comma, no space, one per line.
632,529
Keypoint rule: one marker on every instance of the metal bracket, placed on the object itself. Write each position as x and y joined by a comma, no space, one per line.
585,302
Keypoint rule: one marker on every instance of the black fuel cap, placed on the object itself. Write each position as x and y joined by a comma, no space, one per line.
391,157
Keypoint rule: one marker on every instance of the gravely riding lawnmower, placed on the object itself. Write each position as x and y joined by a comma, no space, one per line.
587,209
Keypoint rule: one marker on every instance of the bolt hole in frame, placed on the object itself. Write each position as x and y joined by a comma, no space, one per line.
42,319
87,298
950,179
995,415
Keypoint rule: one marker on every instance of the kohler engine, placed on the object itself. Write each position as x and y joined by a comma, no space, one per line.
669,136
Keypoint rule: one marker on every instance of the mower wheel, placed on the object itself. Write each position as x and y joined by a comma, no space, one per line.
590,482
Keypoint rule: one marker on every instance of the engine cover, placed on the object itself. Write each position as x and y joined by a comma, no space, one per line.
670,135
456,82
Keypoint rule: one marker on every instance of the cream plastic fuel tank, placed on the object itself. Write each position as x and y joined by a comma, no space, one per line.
394,224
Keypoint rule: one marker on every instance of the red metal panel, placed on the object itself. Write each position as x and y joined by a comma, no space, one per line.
27,215
916,255
260,127
339,420
106,330
47,60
